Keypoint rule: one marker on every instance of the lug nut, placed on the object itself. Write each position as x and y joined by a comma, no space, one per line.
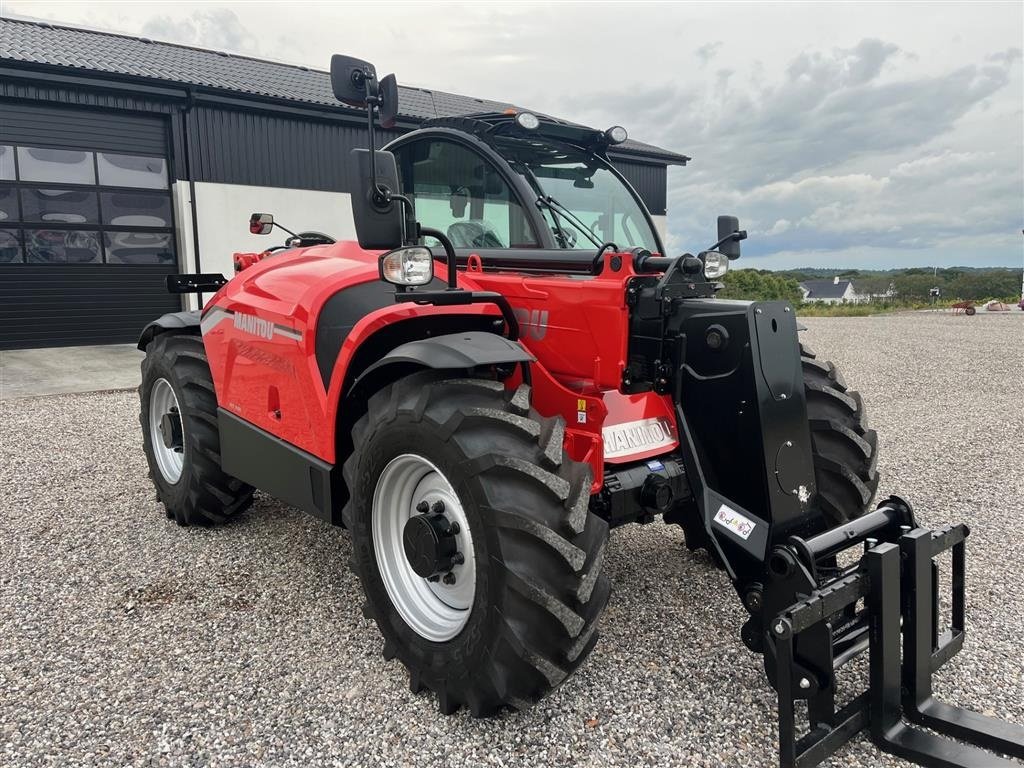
423,507
458,559
449,578
454,528
437,507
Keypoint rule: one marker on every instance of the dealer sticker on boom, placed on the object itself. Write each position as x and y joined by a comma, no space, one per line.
735,522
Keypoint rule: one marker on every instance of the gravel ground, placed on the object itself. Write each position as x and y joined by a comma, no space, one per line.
127,640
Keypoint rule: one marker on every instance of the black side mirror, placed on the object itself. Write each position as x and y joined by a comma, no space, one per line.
379,224
348,79
261,223
729,236
388,109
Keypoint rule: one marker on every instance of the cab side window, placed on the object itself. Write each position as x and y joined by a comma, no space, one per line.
460,193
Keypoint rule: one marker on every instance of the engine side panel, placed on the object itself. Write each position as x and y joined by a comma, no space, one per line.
262,335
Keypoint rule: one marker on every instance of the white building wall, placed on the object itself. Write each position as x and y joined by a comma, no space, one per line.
223,211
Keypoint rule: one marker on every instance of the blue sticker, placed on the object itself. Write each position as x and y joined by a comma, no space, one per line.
655,466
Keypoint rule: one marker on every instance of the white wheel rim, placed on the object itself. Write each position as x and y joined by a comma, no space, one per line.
433,609
162,401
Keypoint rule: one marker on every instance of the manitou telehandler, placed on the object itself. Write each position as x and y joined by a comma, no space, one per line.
504,366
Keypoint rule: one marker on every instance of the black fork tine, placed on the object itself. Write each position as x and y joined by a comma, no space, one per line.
925,651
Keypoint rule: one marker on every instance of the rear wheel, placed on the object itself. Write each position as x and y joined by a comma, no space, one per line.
473,540
844,448
180,435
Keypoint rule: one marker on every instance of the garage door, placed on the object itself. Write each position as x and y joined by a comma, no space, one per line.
86,226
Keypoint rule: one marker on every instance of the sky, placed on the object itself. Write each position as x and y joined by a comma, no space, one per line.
869,135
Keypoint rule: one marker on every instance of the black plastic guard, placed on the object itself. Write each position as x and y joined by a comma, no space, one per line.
173,321
453,351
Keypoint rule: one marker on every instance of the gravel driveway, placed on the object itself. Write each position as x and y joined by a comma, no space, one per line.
127,640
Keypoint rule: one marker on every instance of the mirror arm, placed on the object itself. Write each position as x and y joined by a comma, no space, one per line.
449,251
740,234
412,230
275,224
381,196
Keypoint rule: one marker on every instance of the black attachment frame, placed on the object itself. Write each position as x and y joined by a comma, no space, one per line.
206,282
899,585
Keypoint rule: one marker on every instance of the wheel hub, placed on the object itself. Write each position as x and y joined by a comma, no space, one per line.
170,430
430,545
423,547
166,432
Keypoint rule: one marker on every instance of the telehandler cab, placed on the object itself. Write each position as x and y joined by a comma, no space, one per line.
504,366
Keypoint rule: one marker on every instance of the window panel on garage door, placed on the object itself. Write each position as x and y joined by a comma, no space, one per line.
67,166
62,246
6,163
131,208
10,246
69,206
8,204
132,171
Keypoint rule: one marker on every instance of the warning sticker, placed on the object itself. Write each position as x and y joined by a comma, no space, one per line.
581,404
731,519
581,417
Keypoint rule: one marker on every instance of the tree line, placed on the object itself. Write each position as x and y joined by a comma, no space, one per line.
911,285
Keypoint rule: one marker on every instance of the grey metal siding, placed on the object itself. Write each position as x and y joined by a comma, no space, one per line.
51,305
245,147
234,146
649,181
39,125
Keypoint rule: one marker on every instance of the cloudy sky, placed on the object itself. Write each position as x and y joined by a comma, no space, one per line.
860,134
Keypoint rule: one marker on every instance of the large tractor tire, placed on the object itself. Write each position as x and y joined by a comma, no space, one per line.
473,540
180,435
844,448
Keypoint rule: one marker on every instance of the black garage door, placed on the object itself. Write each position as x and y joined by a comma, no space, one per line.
86,226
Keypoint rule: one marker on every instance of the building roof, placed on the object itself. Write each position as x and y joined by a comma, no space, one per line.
44,45
826,289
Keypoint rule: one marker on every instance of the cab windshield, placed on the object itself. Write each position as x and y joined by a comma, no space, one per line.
582,200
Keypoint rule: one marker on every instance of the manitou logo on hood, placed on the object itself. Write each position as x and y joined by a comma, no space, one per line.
637,437
254,325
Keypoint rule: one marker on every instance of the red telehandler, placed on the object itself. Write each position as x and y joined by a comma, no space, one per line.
504,366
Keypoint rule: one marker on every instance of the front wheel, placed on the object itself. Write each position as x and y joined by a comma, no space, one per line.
180,435
473,539
844,447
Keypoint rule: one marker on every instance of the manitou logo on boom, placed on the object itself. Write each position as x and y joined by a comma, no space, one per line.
533,323
254,325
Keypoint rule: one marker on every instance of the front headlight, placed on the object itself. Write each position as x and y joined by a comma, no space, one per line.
715,264
413,265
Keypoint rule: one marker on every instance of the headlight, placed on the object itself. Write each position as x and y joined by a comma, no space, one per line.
407,266
715,264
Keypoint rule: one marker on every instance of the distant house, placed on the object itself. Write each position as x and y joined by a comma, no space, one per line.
834,291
